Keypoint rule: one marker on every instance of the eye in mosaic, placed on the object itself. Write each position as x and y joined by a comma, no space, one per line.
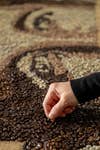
60,22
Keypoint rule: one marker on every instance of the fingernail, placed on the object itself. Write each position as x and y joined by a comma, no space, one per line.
50,116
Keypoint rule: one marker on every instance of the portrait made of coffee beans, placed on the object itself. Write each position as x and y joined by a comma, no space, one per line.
59,23
23,85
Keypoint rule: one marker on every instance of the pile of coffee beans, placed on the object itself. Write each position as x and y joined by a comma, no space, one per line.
22,117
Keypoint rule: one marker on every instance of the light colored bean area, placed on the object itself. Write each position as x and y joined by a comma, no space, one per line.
80,66
12,39
69,20
89,147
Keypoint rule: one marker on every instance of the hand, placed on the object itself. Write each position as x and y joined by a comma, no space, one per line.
59,100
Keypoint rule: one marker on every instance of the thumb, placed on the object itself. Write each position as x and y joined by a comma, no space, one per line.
57,110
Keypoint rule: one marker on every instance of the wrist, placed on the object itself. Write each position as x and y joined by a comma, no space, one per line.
72,95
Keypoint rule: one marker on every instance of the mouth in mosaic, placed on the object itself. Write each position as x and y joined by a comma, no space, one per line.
45,21
23,85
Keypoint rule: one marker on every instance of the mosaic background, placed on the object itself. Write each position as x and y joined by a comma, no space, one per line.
41,44
6,2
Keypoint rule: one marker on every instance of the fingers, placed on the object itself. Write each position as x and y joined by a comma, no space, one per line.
59,111
50,100
56,111
69,110
57,103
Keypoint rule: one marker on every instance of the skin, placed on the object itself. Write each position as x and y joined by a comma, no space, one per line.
59,100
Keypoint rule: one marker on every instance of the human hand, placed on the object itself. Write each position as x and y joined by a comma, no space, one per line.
59,100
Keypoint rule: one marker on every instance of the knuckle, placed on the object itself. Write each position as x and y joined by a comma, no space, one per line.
43,104
52,85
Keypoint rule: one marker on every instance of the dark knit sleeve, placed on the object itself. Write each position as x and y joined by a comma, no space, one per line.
86,88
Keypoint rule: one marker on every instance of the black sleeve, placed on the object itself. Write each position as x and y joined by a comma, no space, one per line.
86,88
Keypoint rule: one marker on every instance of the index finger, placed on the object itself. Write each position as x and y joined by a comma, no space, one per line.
49,101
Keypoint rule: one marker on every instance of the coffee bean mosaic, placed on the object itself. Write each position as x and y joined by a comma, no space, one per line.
59,22
23,85
11,2
37,25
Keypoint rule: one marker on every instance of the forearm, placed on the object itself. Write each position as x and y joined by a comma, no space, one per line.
86,88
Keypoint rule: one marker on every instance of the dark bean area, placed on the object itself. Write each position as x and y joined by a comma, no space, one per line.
41,19
11,2
22,117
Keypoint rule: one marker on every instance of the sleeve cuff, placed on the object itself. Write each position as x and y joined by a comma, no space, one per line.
78,90
86,88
